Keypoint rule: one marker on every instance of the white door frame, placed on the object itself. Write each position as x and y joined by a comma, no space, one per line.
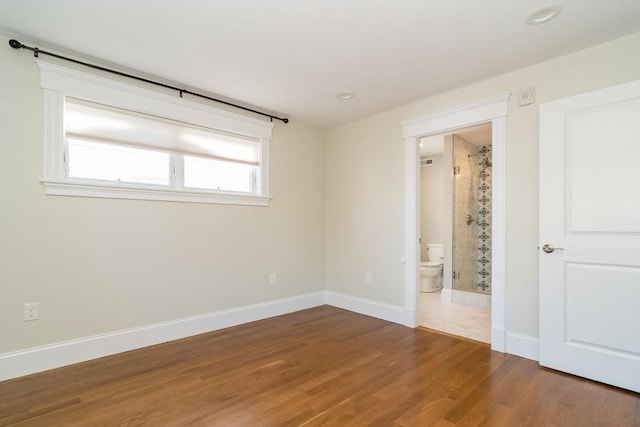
494,110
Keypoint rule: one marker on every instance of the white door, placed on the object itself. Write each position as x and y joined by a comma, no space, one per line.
590,214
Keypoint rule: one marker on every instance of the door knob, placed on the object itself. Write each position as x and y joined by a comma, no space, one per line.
549,249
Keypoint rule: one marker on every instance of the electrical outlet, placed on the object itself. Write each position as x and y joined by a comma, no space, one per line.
31,311
368,278
273,279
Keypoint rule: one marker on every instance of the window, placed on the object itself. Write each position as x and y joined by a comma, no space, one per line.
108,139
110,162
218,175
109,144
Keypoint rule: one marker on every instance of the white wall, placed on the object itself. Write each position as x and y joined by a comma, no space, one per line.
102,265
365,178
432,219
364,222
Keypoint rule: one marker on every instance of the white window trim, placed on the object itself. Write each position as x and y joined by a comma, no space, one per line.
59,82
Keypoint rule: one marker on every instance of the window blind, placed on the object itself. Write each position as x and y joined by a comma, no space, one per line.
100,123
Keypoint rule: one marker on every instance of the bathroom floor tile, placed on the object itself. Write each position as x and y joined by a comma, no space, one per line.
462,320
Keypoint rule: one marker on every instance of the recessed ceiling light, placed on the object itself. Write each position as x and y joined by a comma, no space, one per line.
543,14
345,96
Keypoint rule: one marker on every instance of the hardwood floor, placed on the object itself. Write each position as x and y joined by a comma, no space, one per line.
322,366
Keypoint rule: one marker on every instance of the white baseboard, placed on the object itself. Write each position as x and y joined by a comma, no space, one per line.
498,339
522,345
392,313
411,319
470,298
37,359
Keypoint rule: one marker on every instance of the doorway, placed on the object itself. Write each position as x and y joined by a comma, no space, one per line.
455,215
493,110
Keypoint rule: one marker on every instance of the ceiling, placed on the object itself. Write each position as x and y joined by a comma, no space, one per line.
292,57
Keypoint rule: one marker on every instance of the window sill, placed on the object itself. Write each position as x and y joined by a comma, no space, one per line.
65,188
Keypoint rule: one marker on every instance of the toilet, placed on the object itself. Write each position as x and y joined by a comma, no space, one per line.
431,270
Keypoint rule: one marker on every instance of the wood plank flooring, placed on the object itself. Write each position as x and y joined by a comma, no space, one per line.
318,367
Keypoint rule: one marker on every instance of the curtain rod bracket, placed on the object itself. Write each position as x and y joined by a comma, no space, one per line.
17,45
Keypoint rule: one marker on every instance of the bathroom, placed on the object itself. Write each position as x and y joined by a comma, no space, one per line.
455,236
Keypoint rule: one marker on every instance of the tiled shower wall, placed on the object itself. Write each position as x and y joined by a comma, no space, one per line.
484,219
472,197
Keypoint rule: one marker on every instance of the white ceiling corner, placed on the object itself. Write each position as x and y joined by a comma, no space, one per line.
292,57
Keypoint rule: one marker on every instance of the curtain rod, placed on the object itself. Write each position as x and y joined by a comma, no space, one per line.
17,45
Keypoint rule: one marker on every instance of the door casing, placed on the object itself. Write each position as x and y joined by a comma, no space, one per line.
494,110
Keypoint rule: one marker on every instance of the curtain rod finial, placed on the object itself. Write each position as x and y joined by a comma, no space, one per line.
15,44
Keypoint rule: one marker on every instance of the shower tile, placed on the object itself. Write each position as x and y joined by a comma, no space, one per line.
484,222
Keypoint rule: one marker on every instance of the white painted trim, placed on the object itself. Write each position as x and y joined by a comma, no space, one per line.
263,181
391,313
498,338
411,317
494,110
472,113
53,135
42,358
522,345
51,356
412,228
445,295
498,229
25,362
92,87
60,81
470,298
70,188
